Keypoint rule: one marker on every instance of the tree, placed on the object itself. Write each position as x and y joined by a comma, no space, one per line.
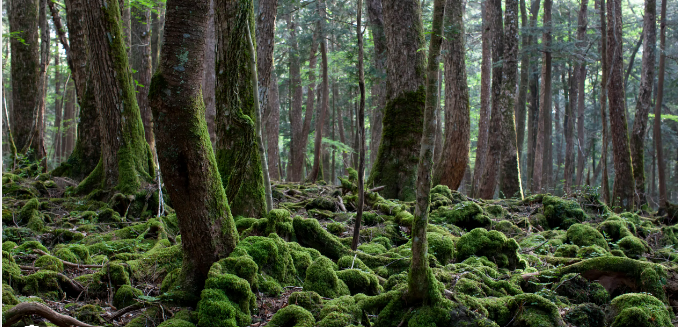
580,77
38,138
395,167
485,97
187,161
644,99
603,100
361,131
542,140
265,32
532,98
376,22
25,65
126,160
420,279
521,101
272,125
661,166
210,75
296,125
451,165
623,180
142,65
240,164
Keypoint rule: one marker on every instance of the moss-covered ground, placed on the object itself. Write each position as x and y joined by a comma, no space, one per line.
543,261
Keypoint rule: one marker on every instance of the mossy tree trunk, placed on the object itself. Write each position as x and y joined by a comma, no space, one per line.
420,281
210,76
450,167
86,152
187,161
38,142
240,164
623,180
644,99
126,160
376,22
661,165
395,167
142,65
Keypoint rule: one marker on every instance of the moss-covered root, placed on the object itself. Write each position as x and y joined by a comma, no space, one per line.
226,301
310,234
292,315
639,309
30,216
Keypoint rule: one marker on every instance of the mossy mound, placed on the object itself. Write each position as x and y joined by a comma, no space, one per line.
308,300
490,244
639,309
322,279
585,315
292,315
561,213
227,300
125,295
585,235
466,215
580,290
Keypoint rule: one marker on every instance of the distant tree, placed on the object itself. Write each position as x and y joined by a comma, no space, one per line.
661,165
376,23
142,65
485,97
543,141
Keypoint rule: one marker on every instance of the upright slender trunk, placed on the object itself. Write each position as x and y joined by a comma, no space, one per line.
569,132
376,23
143,67
543,141
126,160
453,161
25,69
69,120
623,180
485,97
396,163
340,126
188,164
155,30
361,131
295,112
58,101
580,73
521,102
38,143
272,125
265,25
532,99
603,100
644,100
240,164
323,108
210,76
661,165
420,279
439,122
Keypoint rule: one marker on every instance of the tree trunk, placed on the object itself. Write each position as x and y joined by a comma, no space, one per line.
240,164
521,107
296,125
543,142
395,167
126,20
188,164
126,160
340,126
361,131
603,100
25,69
485,97
623,180
580,73
58,101
569,132
376,22
420,280
69,121
155,38
323,108
38,143
209,76
452,162
439,122
143,67
265,25
644,99
661,165
532,99
272,124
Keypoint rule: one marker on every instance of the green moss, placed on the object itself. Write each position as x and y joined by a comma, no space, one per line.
633,247
638,309
336,228
466,215
562,213
372,248
176,322
125,295
269,286
580,290
310,234
360,281
8,297
67,236
29,246
585,235
322,203
91,314
293,316
614,229
31,217
227,300
8,246
49,262
308,300
586,315
592,251
11,273
321,278
522,310
109,215
441,246
160,260
567,251
44,283
271,255
491,244
340,312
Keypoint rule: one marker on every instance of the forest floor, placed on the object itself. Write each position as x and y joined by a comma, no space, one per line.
542,261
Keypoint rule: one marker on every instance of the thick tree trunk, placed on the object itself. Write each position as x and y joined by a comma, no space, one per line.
543,141
272,125
532,99
603,100
154,36
661,165
126,160
376,23
521,102
580,73
188,164
324,107
420,280
143,67
25,68
209,76
452,162
439,122
361,130
38,143
310,111
265,31
485,97
296,157
644,99
623,180
240,164
569,132
396,163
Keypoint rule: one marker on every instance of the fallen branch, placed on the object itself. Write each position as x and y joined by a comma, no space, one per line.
528,250
377,189
341,204
129,308
68,263
21,310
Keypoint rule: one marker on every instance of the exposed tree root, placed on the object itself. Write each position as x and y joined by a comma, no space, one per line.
31,308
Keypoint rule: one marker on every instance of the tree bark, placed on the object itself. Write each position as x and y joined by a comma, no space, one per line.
661,165
420,279
58,101
451,165
143,66
209,76
265,25
580,73
376,22
485,97
25,70
532,99
644,100
126,160
396,163
623,180
521,102
568,125
323,108
38,143
272,125
69,121
543,142
603,100
295,112
188,163
240,164
361,131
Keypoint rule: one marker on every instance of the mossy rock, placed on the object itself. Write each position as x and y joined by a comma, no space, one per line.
466,215
91,314
43,283
50,263
308,300
17,234
109,215
491,244
125,295
561,213
580,290
310,234
614,229
639,309
157,262
29,246
633,247
567,251
585,315
592,251
75,253
293,316
321,278
176,322
585,235
66,236
8,246
11,273
227,300
360,281
525,310
342,311
441,246
372,248
322,203
272,256
30,216
336,228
